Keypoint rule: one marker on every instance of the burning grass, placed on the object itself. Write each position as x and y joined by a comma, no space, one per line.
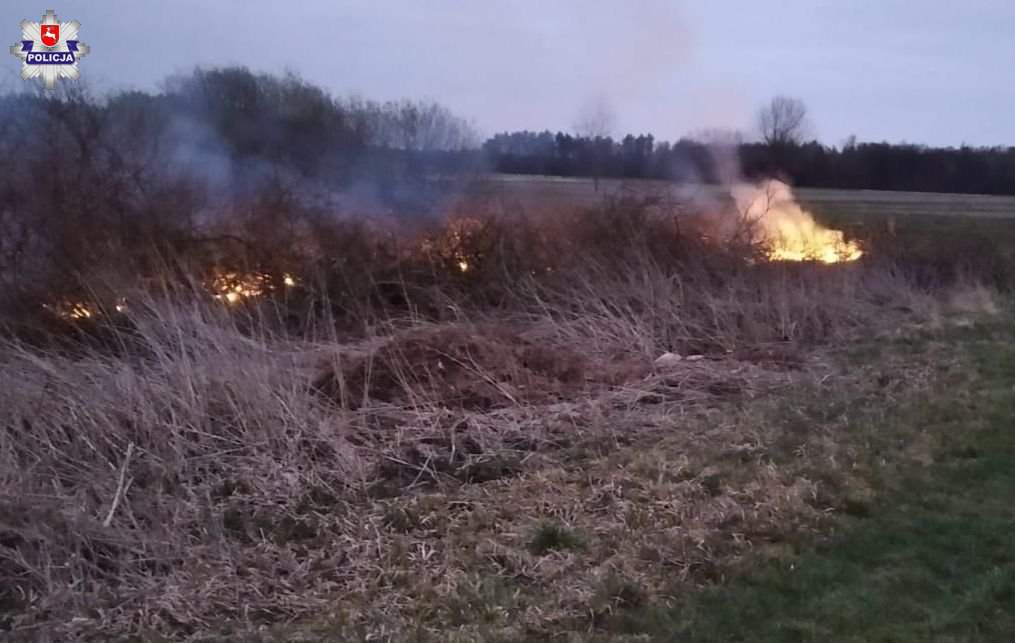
473,454
470,258
789,232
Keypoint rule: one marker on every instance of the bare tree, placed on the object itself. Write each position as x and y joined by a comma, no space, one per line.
421,126
783,121
596,121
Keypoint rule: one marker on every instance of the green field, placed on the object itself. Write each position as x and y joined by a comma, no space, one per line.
542,191
902,204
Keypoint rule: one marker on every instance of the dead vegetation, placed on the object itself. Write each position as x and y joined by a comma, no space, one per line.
425,451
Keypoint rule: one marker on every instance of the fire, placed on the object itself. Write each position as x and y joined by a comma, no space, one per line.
227,287
234,287
790,232
80,311
76,310
458,245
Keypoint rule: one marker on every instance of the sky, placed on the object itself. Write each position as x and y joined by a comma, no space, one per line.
937,72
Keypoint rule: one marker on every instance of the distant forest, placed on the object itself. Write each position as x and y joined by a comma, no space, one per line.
871,166
236,130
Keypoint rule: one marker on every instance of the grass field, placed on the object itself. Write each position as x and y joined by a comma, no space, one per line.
539,191
494,453
901,204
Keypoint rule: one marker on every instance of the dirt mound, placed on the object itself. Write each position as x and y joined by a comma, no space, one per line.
474,367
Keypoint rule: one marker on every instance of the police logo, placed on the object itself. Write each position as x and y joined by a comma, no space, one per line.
49,49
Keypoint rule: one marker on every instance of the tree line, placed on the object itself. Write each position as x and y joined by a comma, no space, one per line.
238,129
871,166
239,126
783,150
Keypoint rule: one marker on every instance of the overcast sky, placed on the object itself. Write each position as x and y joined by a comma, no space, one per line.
931,71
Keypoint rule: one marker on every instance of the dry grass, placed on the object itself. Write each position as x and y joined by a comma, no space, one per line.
194,471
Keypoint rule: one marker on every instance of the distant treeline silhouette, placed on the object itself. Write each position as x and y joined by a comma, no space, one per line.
234,129
872,166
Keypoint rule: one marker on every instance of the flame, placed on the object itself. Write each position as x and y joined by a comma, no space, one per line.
80,311
457,245
76,310
228,287
789,231
234,287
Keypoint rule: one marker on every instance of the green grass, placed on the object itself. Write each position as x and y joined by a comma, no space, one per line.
934,560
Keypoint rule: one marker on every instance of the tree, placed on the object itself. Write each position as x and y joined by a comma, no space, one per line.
783,122
421,126
596,122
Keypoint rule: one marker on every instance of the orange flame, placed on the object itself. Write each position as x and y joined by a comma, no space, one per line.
789,231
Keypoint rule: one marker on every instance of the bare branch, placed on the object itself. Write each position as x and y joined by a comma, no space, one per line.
783,121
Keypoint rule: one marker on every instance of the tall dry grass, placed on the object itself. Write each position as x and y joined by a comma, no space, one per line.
186,465
120,474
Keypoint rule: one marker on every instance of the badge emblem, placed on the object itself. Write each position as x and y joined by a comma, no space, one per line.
50,49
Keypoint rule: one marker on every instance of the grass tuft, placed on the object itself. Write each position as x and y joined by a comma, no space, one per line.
553,536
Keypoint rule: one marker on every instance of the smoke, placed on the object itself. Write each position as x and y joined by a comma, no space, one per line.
764,212
529,64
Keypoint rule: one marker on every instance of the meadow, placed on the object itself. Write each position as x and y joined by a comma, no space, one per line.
533,191
617,421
